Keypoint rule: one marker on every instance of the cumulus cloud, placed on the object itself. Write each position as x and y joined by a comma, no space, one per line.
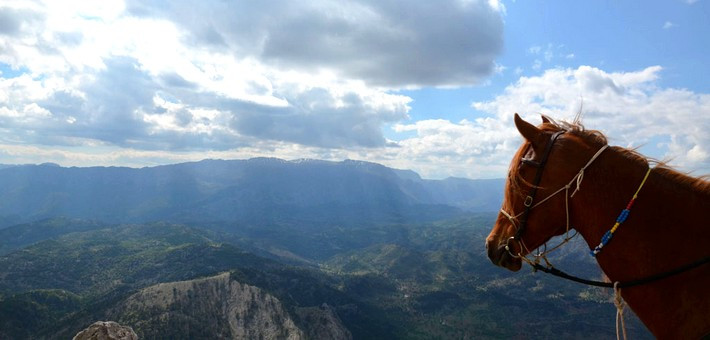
221,75
385,43
441,148
627,106
545,55
133,83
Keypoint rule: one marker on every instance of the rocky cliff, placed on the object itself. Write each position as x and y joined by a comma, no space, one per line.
219,307
106,330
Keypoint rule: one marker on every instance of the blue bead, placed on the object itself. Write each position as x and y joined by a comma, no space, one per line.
623,216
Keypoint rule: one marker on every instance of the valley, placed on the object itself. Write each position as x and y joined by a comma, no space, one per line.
319,273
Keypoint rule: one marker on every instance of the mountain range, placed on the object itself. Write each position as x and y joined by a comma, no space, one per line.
256,191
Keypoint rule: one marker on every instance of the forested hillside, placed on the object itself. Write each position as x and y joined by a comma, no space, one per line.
388,281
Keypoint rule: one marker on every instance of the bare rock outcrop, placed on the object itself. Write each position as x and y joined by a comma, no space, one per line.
213,307
106,330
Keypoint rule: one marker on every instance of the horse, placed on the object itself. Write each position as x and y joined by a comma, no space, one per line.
639,221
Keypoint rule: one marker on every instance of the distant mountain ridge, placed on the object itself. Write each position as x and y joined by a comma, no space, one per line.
258,190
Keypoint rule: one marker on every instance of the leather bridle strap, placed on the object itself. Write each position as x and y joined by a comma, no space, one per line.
538,177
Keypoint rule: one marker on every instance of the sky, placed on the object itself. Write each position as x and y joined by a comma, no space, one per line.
430,86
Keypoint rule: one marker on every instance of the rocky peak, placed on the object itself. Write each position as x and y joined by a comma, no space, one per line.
106,330
221,307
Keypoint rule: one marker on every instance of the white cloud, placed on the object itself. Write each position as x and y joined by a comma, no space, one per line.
628,106
534,49
547,54
465,149
668,25
143,83
392,44
698,154
229,75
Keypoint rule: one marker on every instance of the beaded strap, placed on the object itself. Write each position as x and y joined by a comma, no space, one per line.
619,220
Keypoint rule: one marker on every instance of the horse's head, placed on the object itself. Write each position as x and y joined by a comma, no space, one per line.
548,159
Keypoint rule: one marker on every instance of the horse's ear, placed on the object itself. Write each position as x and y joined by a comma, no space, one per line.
529,131
545,119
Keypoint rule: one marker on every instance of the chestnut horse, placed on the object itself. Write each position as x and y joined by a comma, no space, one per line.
586,184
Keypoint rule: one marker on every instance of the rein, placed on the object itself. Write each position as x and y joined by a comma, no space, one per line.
626,284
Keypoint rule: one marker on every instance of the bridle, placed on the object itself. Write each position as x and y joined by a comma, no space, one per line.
576,181
548,268
530,199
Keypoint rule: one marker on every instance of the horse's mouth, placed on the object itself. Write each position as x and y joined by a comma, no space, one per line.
501,257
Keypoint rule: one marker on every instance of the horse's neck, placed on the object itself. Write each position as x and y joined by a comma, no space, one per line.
666,229
660,224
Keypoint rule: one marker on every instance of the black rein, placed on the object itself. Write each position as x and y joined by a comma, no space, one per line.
648,279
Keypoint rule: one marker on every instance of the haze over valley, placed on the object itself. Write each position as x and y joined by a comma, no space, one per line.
267,247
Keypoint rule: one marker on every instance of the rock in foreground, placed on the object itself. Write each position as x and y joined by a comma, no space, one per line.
106,330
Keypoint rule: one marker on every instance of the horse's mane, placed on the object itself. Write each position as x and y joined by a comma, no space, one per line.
576,128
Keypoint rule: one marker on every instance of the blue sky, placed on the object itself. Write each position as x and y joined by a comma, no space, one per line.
421,85
611,35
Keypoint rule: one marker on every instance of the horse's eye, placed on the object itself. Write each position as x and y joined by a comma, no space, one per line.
530,161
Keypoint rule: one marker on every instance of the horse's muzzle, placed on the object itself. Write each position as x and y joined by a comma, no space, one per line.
500,256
